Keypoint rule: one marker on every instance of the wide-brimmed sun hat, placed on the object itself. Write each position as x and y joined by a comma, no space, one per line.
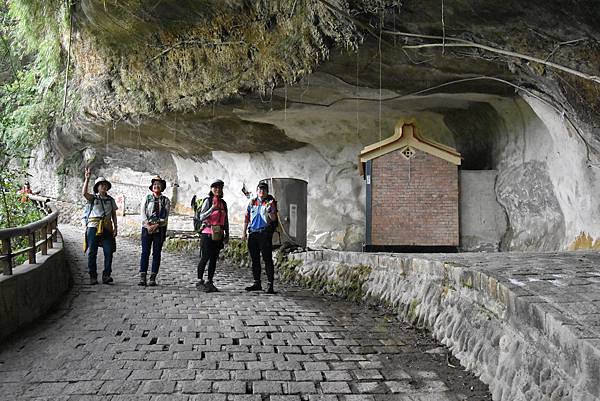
159,179
217,183
99,181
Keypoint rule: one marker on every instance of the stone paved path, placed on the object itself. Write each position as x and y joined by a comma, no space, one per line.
172,342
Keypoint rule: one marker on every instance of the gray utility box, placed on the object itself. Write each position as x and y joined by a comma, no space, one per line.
290,194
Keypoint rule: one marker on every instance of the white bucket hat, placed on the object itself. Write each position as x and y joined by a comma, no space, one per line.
100,180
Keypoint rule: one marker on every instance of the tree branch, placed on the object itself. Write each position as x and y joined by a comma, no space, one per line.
559,45
466,43
561,111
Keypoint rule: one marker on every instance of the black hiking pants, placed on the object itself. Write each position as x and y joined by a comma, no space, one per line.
261,243
209,253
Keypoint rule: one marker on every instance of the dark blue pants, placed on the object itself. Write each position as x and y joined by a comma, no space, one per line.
105,240
152,242
261,243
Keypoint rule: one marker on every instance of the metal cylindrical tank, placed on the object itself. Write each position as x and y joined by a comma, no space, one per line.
291,195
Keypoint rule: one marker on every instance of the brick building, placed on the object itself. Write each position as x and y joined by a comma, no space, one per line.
412,192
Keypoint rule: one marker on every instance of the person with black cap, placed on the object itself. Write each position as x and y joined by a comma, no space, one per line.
101,226
214,232
260,222
155,209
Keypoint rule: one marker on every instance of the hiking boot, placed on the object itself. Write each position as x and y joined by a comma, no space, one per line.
93,279
270,289
254,287
142,282
152,282
106,279
210,287
200,285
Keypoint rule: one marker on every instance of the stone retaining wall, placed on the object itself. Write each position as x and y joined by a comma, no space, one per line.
520,350
33,289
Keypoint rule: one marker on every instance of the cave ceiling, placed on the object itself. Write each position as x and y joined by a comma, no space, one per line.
195,76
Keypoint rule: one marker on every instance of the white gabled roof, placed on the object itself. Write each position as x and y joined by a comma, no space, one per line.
406,134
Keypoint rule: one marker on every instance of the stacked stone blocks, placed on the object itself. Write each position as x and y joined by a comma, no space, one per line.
523,338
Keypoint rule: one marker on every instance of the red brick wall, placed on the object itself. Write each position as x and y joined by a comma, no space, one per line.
419,207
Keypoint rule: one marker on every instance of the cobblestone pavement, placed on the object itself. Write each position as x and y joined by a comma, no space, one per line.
173,342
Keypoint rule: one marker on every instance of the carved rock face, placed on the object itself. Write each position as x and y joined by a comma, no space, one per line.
196,92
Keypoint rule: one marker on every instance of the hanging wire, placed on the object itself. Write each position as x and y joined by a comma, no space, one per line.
114,132
394,23
409,171
380,56
139,135
175,130
443,30
285,102
357,120
307,86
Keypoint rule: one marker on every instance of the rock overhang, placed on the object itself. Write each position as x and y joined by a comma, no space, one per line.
164,90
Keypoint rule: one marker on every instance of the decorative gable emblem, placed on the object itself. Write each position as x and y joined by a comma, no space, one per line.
408,152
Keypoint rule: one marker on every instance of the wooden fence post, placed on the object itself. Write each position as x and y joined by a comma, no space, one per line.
32,247
7,264
51,235
55,230
45,243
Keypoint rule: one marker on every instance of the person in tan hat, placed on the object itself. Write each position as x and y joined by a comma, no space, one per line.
155,216
101,226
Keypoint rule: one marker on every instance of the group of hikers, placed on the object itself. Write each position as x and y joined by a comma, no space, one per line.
211,221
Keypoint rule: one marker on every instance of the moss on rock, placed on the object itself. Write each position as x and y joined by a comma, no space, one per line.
236,252
347,282
135,62
181,245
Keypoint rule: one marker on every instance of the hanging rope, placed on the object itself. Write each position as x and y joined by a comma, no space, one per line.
64,105
409,171
285,102
443,30
357,120
380,56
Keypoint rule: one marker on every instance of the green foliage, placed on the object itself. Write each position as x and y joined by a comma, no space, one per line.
13,211
348,283
30,33
138,62
26,114
411,314
236,252
182,245
20,213
286,267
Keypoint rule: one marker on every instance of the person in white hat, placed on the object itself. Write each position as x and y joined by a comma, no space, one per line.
155,209
101,226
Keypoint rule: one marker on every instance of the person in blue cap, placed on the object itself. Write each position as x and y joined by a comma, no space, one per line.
260,223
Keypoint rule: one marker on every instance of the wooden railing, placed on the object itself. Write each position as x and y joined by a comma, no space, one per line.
41,235
41,202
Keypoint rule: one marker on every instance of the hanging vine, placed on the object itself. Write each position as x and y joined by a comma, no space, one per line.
31,32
